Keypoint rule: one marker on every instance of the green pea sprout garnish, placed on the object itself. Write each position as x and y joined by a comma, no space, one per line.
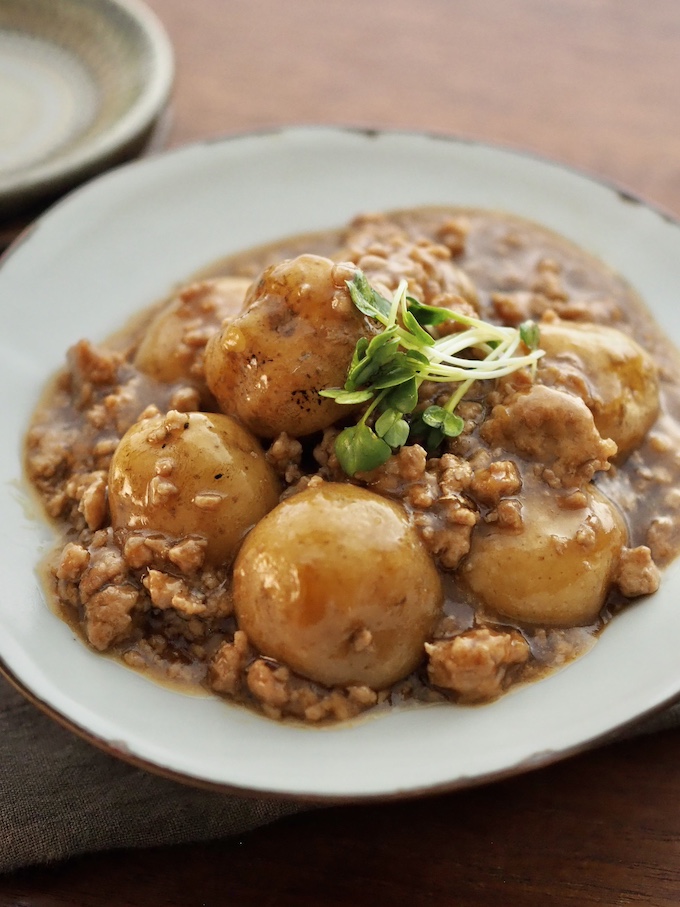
387,371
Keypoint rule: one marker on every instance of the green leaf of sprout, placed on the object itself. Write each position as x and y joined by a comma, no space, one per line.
418,358
382,353
385,422
420,334
530,334
368,300
428,315
452,425
429,437
397,434
393,376
359,449
404,397
433,439
351,398
361,373
359,351
433,416
332,392
447,422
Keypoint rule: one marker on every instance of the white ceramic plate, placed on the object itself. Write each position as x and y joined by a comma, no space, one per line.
120,243
82,83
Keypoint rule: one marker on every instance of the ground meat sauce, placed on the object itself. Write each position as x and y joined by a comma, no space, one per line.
530,481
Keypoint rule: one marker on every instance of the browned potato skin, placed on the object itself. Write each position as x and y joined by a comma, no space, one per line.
542,574
164,352
223,484
622,387
326,568
295,337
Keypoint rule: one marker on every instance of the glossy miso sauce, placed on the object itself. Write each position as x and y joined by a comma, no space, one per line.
503,256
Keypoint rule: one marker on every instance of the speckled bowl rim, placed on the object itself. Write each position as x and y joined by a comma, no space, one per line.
123,137
631,673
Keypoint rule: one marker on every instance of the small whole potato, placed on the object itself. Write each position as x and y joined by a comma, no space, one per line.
295,337
173,343
620,384
336,583
556,569
191,474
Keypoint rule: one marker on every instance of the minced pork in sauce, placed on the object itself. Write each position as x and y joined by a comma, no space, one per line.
575,465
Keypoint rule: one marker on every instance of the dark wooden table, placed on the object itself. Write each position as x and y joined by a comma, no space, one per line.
593,83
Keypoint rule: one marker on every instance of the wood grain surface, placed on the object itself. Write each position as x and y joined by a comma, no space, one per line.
594,84
599,829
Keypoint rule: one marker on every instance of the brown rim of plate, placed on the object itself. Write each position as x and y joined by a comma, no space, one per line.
541,759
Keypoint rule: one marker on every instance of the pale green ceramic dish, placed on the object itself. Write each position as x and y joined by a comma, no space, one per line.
82,85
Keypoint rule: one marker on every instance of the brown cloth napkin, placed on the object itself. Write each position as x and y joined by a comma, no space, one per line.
60,796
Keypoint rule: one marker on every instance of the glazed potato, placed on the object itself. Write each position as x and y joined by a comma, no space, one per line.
556,570
191,474
336,583
173,343
621,386
295,337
